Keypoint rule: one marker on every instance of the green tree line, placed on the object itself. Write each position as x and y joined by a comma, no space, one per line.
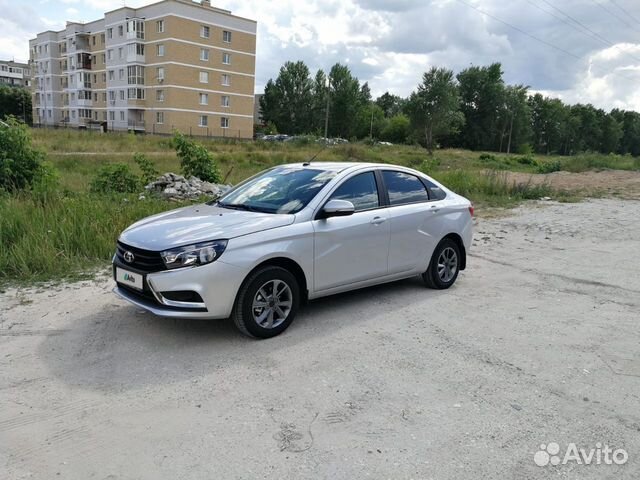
474,109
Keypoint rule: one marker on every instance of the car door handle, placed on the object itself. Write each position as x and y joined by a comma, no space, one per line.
435,208
378,220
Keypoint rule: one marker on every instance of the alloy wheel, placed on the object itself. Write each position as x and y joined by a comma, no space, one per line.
447,264
272,304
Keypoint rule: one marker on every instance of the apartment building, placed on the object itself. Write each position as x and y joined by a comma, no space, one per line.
15,74
173,65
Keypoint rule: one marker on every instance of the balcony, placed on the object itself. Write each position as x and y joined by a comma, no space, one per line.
136,125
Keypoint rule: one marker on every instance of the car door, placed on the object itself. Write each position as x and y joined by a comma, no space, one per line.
353,248
414,222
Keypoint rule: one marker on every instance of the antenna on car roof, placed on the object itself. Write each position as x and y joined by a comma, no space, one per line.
308,162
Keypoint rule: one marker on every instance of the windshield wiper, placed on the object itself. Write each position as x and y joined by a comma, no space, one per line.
240,206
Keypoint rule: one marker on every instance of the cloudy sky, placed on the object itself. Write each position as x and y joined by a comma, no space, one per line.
578,50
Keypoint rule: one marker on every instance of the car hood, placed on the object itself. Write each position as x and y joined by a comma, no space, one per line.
198,223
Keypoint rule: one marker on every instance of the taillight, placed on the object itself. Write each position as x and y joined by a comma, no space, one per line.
471,209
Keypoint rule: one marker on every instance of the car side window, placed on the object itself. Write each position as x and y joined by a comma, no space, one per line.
404,188
360,190
435,192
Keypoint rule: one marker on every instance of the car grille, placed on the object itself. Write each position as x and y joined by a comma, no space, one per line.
144,260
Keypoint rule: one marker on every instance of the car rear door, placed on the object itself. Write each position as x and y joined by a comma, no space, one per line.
415,228
353,248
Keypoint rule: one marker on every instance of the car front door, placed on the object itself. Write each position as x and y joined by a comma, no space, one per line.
414,222
354,248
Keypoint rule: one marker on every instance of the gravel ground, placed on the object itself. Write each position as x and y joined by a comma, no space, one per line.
536,343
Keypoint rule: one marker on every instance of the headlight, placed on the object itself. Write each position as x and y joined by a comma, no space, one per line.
199,254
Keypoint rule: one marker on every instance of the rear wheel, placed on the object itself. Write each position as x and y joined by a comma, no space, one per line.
444,266
267,302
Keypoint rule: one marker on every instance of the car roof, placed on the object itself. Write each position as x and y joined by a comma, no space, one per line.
335,166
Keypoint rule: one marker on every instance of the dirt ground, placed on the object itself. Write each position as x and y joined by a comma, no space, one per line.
536,343
606,183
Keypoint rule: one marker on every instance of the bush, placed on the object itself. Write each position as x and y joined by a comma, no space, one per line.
21,165
149,172
115,178
550,167
195,159
487,157
526,160
397,129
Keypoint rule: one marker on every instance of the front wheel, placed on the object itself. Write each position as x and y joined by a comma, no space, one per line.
267,302
444,266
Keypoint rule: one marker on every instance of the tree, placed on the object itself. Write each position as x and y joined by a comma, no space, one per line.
435,107
397,129
287,102
514,117
481,91
16,101
346,100
391,104
370,121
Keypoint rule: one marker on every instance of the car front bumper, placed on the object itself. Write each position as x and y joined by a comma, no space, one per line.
216,283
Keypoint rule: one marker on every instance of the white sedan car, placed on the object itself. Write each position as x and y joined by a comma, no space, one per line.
289,234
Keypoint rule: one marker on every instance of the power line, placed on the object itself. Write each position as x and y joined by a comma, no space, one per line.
614,14
591,33
537,39
626,12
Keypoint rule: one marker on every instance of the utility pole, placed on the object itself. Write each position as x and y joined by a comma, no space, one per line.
326,117
371,126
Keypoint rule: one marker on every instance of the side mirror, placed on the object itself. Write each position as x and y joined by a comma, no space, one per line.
337,208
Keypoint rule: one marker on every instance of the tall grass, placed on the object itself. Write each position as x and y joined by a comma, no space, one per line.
49,235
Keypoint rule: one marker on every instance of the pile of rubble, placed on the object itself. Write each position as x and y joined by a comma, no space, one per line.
173,186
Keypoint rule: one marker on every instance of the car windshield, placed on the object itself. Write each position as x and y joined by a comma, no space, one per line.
279,190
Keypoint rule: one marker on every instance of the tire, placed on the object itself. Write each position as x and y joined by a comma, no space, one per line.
442,273
257,289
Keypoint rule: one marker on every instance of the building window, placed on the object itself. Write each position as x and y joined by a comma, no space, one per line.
226,36
122,116
135,74
93,40
159,117
104,76
110,54
109,33
204,121
204,99
160,50
226,80
160,26
204,77
226,58
224,122
160,95
120,53
160,74
102,39
121,74
136,94
204,31
73,114
120,30
104,59
104,96
111,75
204,54
112,116
224,100
121,94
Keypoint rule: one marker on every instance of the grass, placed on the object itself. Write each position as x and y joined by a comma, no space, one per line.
65,233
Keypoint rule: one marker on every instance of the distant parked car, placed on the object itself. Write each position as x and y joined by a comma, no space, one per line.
291,233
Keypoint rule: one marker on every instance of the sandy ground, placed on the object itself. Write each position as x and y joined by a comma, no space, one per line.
605,183
536,343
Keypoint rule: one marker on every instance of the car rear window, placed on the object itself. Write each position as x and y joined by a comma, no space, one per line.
404,188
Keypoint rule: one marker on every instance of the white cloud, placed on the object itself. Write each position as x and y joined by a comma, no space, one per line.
390,43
